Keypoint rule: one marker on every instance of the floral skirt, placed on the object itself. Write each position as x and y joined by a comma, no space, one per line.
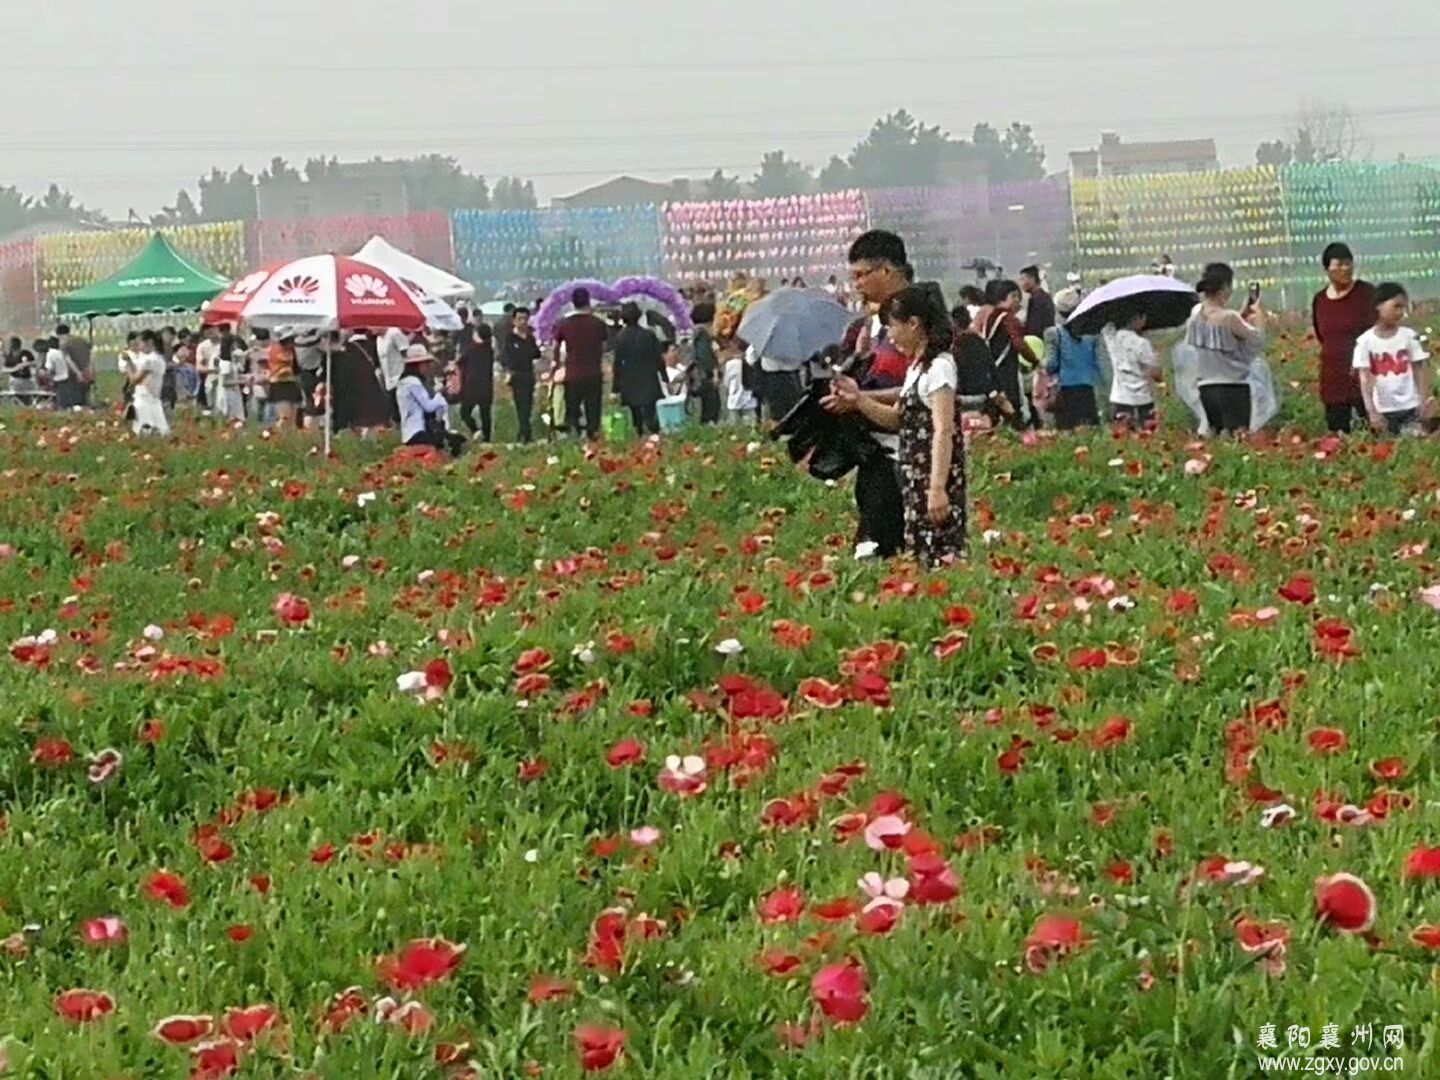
932,544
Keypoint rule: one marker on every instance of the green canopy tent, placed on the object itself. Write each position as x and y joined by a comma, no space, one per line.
159,279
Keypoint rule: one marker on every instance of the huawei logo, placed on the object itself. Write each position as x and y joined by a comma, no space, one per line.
304,285
247,285
362,285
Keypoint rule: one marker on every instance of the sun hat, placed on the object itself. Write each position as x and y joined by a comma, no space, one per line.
1067,300
417,354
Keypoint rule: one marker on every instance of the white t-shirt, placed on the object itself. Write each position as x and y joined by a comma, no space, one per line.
737,398
1391,360
392,348
207,357
57,365
1132,360
940,374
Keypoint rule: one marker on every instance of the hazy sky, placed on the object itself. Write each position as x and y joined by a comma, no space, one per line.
123,102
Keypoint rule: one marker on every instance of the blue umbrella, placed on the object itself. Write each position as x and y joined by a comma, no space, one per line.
792,325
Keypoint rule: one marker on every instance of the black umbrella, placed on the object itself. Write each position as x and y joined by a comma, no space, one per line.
1165,302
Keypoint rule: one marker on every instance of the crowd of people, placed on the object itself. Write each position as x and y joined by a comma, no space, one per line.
914,375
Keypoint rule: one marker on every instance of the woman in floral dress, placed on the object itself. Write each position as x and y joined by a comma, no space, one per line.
923,411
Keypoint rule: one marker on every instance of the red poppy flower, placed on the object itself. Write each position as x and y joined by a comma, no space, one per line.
1087,659
959,616
840,910
1345,903
323,854
1422,864
533,770
821,694
1300,589
1182,602
421,963
606,951
932,879
951,644
166,887
599,1046
1390,769
240,933
1427,936
1120,871
529,686
782,905
1326,740
545,988
52,753
249,1023
292,610
183,1030
215,1060
83,1006
1053,936
871,687
878,920
532,661
345,1007
840,991
625,752
779,963
213,847
151,732
1114,731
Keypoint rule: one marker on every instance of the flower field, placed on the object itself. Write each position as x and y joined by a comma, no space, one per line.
544,762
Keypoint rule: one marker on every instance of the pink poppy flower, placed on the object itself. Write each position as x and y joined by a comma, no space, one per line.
1266,940
1053,937
412,1017
292,610
249,1023
683,776
886,832
645,836
625,752
106,930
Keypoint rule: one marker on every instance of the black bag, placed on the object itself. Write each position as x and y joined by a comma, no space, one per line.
836,444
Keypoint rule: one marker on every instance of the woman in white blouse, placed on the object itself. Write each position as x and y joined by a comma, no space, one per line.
932,448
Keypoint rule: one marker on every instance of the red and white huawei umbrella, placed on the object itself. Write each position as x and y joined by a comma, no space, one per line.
330,292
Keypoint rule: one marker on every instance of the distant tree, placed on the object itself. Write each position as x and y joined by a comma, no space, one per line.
1010,157
512,193
279,169
720,186
1321,134
182,213
321,168
780,176
1277,153
228,198
15,209
439,183
59,207
836,176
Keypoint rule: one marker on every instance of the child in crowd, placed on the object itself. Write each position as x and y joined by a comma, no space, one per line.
740,404
1395,380
1136,370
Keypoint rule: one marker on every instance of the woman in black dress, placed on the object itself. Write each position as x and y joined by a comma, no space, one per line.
477,379
932,446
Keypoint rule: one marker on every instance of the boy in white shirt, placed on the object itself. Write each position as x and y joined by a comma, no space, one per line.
1395,380
1136,370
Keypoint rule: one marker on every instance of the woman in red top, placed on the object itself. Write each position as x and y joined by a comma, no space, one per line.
1005,335
1341,312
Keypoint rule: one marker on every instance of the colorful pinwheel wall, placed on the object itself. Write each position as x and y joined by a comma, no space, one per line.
805,235
546,247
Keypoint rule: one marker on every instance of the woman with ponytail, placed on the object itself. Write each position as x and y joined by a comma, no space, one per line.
932,448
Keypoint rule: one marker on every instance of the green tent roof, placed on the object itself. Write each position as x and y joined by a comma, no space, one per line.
159,279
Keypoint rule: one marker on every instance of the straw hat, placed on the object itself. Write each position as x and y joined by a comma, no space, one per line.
417,354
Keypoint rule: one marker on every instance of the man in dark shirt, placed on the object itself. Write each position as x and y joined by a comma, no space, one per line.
1040,315
77,350
582,339
504,333
520,364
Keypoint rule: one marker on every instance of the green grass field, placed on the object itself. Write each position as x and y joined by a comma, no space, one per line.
631,728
